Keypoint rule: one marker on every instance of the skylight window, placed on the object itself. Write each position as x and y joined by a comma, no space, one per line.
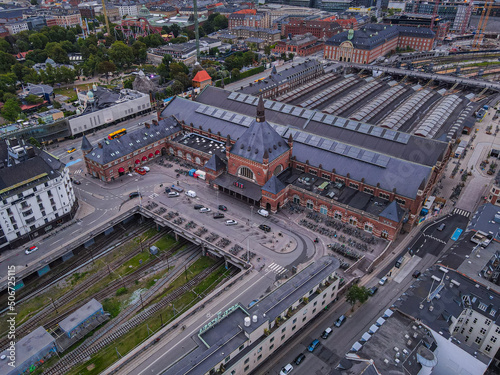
482,306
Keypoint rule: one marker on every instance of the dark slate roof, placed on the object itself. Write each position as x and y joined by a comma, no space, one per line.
281,77
130,142
389,177
373,35
273,185
86,145
215,163
75,319
35,166
393,212
256,140
484,220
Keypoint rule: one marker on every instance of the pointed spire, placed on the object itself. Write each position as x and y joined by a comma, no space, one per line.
273,70
290,139
261,114
228,141
86,145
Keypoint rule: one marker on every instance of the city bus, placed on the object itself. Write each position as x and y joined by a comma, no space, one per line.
117,134
259,79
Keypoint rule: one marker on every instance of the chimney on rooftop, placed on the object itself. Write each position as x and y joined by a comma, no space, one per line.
155,122
147,125
99,144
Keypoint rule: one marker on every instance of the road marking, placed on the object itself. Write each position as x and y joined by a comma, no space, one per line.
459,211
276,268
78,171
434,238
153,196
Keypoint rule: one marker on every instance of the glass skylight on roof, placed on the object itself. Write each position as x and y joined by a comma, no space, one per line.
329,119
389,134
268,104
364,128
376,131
318,116
352,125
233,95
307,113
297,111
287,109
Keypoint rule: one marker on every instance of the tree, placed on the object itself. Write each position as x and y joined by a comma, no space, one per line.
33,99
5,46
11,110
34,142
140,51
121,54
6,62
220,22
235,74
177,87
290,56
355,294
374,19
267,50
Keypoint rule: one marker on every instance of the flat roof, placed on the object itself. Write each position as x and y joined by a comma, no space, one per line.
26,348
230,333
76,318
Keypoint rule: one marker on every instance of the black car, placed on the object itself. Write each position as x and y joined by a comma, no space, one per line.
218,215
167,190
265,228
372,290
222,207
299,359
134,194
198,206
416,274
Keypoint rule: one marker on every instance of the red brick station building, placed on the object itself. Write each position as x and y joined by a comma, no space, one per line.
372,178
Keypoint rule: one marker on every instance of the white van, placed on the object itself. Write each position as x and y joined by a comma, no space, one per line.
263,212
191,193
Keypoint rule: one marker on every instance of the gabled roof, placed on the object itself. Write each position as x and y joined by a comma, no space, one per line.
256,140
86,145
215,163
201,76
273,185
393,212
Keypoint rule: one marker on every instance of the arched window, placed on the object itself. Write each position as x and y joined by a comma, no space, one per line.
384,234
278,170
338,215
189,157
171,150
179,153
323,210
296,199
246,172
353,221
369,227
310,204
197,160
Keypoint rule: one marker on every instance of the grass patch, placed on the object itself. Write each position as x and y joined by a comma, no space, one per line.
165,243
112,306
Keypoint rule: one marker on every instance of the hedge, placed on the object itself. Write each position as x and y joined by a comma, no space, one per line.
248,73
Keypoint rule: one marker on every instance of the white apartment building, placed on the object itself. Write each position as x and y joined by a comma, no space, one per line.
16,27
36,193
128,10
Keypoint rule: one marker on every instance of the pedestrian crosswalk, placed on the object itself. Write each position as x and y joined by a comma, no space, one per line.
276,268
459,211
78,171
153,196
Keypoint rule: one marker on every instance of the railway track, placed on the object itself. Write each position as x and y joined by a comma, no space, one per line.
94,344
41,317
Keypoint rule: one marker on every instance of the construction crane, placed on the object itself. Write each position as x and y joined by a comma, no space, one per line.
481,26
434,13
106,16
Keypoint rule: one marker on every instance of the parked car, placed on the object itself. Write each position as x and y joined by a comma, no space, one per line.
76,182
263,212
286,370
265,228
134,194
30,250
198,206
416,274
372,290
313,345
222,207
218,215
253,303
299,359
141,171
340,321
167,190
71,150
190,193
441,227
231,222
173,194
326,333
205,209
177,189
147,169
383,280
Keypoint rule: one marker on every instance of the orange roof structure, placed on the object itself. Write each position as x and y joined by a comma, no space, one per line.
201,76
246,11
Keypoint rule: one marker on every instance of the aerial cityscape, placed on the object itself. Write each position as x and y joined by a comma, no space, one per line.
265,187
